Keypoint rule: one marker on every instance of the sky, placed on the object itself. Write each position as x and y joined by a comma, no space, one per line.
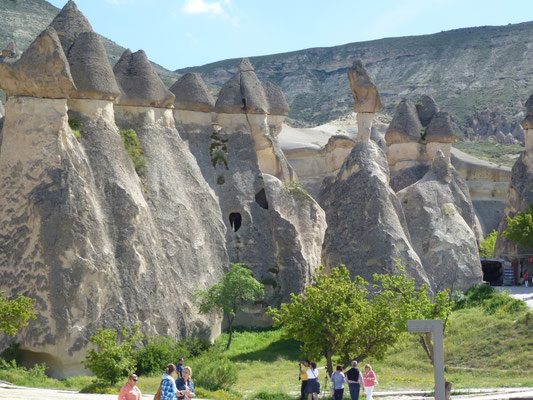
186,33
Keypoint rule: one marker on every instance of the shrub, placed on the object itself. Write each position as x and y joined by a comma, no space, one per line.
12,353
114,359
214,371
218,394
75,127
271,396
296,190
489,300
135,151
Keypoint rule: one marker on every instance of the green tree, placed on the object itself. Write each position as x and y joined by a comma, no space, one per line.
486,248
114,358
339,318
236,288
15,314
520,229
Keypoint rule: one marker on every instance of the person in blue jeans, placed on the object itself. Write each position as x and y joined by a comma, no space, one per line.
338,379
355,381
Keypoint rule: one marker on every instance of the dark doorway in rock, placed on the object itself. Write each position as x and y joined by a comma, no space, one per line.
235,220
492,272
261,199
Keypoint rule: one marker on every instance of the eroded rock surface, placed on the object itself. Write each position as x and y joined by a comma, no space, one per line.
192,94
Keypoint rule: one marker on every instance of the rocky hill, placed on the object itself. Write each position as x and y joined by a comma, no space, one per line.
465,70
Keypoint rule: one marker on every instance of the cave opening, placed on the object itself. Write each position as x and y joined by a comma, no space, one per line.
235,220
261,199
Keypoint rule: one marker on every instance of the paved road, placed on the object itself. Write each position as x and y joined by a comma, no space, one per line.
519,292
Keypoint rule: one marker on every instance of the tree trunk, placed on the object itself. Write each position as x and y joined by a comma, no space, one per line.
329,363
230,333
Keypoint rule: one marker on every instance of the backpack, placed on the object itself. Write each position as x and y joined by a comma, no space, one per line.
158,393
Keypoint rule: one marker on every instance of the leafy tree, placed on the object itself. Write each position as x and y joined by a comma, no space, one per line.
15,314
236,288
339,318
114,358
520,228
486,248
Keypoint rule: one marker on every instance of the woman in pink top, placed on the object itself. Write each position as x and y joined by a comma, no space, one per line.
130,391
370,381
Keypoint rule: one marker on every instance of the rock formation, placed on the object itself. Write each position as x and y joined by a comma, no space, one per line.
366,99
441,237
69,23
520,194
367,230
243,104
274,228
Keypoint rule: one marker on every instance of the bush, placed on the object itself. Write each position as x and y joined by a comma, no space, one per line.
12,353
114,358
214,371
135,151
489,299
160,351
271,396
75,127
218,395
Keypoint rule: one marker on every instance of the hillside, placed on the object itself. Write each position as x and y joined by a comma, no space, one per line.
465,70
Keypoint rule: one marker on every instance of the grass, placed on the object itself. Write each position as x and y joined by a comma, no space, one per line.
484,347
494,152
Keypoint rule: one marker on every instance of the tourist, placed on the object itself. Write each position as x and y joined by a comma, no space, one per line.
169,391
526,278
338,379
369,377
130,391
180,367
303,377
313,386
185,385
355,380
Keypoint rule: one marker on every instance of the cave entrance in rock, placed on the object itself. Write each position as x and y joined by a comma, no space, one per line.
235,220
261,199
492,272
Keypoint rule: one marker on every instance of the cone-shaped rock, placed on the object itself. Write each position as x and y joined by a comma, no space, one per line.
69,23
528,121
277,104
366,226
364,91
192,94
42,70
138,82
440,129
440,235
243,93
405,126
426,108
90,69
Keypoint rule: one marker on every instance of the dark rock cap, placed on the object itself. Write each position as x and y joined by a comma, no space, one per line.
243,93
192,94
426,109
528,121
440,129
69,23
138,82
90,69
277,104
41,71
364,91
405,126
441,166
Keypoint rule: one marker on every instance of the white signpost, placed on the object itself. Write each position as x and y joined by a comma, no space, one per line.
435,327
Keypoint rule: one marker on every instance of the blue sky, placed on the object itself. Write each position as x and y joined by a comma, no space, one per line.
184,33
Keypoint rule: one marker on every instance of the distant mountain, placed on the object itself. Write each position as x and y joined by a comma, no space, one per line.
466,70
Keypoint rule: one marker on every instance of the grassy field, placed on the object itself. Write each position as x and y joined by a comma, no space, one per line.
490,151
481,350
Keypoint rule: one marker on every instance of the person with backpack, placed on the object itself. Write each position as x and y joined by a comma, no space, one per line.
337,380
355,381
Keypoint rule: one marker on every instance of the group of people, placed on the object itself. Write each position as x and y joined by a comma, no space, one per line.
353,377
176,383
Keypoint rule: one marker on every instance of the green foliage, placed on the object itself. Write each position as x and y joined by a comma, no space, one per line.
75,127
495,152
135,151
218,150
271,396
11,353
236,288
490,300
214,371
15,314
520,229
161,351
486,248
217,394
114,358
295,189
337,317
423,133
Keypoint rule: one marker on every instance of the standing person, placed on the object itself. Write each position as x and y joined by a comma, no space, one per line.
370,380
185,385
338,379
130,391
169,391
355,380
526,278
181,361
313,386
303,377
